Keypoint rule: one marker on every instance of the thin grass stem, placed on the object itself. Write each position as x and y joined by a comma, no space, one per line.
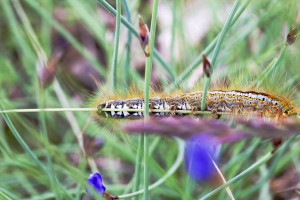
58,90
44,132
138,165
18,38
3,196
41,11
170,172
174,24
43,59
184,75
30,33
159,58
258,163
146,167
128,45
116,45
148,69
272,67
278,158
28,150
83,11
36,110
220,40
228,190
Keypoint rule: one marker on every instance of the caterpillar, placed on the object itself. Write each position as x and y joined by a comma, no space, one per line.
217,102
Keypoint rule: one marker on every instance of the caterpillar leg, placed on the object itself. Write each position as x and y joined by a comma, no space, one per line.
215,114
194,109
177,106
173,109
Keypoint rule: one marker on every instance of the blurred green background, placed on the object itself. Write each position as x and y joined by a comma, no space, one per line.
74,40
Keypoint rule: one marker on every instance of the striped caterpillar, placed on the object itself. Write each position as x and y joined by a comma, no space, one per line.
217,102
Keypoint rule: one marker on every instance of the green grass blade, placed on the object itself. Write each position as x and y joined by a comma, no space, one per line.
34,5
27,149
112,11
128,46
220,40
254,166
3,196
148,71
116,45
185,74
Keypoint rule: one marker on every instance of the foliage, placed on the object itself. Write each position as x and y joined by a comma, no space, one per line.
67,47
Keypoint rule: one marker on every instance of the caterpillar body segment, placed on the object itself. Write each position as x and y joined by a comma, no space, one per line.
217,102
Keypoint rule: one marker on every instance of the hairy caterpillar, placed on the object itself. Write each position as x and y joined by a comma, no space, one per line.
217,102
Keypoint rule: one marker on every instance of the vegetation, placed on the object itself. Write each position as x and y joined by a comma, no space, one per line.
55,56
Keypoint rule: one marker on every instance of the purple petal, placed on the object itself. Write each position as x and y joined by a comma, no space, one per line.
200,150
95,181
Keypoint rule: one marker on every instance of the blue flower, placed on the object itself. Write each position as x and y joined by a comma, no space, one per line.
95,181
200,150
